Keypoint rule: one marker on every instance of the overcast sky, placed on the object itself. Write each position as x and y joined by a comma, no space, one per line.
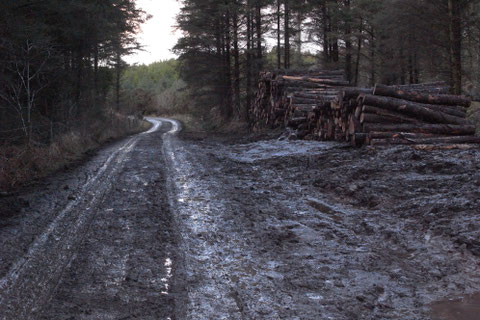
158,36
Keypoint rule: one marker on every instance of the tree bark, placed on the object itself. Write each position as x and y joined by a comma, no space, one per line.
433,140
287,35
95,75
387,114
258,25
359,52
249,62
228,72
353,93
455,43
298,40
118,73
372,57
444,99
411,108
348,45
314,80
408,135
279,54
236,58
383,118
446,129
326,30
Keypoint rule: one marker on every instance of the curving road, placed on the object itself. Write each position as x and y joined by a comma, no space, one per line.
112,241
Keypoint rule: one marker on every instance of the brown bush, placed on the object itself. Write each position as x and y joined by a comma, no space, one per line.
22,164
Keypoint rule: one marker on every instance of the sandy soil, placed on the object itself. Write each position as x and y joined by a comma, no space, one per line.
189,227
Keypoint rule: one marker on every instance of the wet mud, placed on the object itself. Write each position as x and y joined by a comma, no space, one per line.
97,243
323,231
188,227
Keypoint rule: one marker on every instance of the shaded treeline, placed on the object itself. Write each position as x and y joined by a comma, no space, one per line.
226,43
58,61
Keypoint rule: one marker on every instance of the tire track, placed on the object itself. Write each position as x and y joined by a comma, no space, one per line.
31,280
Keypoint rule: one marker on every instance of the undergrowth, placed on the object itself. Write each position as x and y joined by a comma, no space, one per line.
21,164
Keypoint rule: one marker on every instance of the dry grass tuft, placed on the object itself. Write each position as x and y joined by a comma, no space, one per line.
22,164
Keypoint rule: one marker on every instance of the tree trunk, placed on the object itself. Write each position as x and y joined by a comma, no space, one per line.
442,99
335,52
384,118
118,73
446,129
433,140
348,45
386,114
326,30
455,44
236,58
372,57
411,78
95,75
402,64
279,54
298,41
416,70
258,25
228,71
359,52
407,135
411,108
249,62
287,35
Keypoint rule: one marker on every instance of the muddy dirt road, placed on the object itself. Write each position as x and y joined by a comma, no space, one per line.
161,226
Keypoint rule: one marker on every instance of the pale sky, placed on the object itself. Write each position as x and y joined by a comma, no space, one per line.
158,35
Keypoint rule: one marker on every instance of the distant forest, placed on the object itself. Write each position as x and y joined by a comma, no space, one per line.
227,43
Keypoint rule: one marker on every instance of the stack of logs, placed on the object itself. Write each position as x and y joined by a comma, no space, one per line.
320,105
295,99
419,114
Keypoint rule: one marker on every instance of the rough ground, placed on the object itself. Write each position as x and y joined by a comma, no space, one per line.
167,227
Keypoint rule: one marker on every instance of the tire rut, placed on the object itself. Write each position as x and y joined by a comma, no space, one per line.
99,247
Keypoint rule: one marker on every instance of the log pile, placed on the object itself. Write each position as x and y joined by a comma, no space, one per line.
346,107
295,99
320,105
410,115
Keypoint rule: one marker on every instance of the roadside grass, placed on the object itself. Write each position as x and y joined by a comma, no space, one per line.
22,164
194,125
190,123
